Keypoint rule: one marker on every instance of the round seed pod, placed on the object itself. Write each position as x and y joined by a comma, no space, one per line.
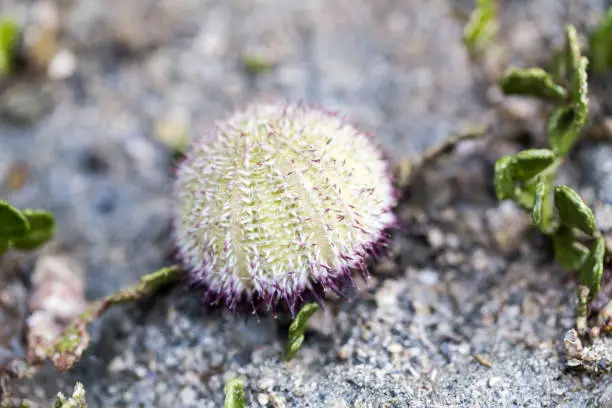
278,204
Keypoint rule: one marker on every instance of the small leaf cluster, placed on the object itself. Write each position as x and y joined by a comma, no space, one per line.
77,400
482,26
9,33
24,229
527,177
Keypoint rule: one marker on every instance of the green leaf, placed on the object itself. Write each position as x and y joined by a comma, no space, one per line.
572,52
298,327
532,82
581,84
542,214
577,64
234,394
528,163
4,245
558,66
255,65
525,198
525,194
600,44
573,212
504,183
42,228
482,26
12,222
563,129
569,253
9,32
566,123
592,269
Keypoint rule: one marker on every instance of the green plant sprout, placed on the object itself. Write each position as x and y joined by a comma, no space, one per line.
298,327
77,400
527,177
600,44
9,33
482,27
255,65
25,230
234,394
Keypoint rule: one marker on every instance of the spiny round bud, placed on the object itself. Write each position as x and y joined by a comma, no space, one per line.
279,203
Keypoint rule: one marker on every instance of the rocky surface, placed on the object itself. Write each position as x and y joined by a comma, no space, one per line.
468,310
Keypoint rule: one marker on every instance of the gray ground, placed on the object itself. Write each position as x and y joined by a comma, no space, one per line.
466,276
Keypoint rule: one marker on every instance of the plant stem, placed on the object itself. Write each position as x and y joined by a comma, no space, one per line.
582,309
405,168
67,350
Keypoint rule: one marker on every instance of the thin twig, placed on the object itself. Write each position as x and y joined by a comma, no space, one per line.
69,347
407,167
582,310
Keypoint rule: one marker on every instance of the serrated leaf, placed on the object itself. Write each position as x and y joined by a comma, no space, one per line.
42,228
482,26
504,183
573,212
591,271
569,253
9,32
542,214
12,222
528,163
600,44
234,394
298,327
531,82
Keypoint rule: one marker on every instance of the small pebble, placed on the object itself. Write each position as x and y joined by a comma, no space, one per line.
605,400
277,401
428,277
62,66
266,383
435,237
338,403
188,396
140,371
453,241
494,382
395,348
263,399
344,353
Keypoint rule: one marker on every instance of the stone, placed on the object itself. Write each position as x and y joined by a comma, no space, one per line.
263,399
188,396
63,65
